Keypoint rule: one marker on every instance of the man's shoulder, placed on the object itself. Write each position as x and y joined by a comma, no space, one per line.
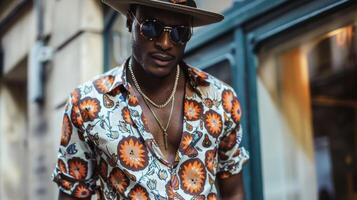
207,82
98,85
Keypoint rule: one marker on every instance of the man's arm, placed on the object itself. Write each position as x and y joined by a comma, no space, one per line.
64,196
232,188
74,172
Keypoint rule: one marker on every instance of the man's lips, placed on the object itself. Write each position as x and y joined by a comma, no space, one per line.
162,57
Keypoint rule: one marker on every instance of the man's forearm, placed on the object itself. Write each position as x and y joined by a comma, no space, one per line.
235,197
232,187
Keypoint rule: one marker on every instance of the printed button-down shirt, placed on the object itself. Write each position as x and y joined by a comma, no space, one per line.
105,137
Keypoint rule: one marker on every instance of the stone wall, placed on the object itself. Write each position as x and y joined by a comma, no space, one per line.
30,132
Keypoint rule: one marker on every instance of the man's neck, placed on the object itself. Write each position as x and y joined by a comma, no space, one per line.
158,88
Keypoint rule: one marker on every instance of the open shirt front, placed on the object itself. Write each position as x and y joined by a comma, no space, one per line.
105,137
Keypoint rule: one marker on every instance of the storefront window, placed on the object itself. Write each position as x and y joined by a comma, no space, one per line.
308,114
222,71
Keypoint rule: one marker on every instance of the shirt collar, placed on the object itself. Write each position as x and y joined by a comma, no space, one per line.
120,80
196,78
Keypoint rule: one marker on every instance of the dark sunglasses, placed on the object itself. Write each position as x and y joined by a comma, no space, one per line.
152,28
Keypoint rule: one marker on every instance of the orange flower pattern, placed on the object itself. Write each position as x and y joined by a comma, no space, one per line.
118,180
210,161
227,98
213,123
66,131
138,193
76,117
106,136
236,111
192,110
185,141
62,166
81,191
132,153
199,78
192,175
103,84
187,146
78,168
89,108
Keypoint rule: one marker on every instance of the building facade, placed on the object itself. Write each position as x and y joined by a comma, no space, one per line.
292,63
48,47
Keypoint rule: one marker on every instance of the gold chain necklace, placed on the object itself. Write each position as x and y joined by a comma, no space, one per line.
163,129
146,97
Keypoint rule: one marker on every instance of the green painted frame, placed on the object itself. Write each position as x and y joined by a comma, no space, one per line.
253,25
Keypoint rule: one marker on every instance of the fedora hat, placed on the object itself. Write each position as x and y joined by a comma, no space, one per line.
188,7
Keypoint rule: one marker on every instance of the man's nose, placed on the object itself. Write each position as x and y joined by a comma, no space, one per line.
164,41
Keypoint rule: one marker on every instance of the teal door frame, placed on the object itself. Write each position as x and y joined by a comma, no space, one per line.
252,24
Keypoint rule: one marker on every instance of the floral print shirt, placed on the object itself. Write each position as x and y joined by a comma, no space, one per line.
106,147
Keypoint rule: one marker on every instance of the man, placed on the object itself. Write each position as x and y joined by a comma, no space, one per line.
154,128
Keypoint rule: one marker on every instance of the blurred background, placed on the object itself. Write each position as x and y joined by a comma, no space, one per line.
293,64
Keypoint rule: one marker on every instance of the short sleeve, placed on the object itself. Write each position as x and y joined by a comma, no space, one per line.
74,172
231,154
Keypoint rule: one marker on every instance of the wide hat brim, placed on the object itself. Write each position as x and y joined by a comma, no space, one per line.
200,17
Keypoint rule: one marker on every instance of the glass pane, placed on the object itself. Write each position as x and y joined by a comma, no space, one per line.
308,114
222,71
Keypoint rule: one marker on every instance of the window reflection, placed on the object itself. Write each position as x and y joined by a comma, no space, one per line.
222,71
334,102
308,113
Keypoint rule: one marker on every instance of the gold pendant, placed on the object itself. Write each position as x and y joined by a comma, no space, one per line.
165,140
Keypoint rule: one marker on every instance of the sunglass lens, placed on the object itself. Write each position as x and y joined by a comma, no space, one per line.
151,29
180,34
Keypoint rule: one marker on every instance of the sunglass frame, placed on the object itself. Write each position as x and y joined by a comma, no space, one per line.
165,29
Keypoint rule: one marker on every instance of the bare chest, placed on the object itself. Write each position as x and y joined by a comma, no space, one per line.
158,119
